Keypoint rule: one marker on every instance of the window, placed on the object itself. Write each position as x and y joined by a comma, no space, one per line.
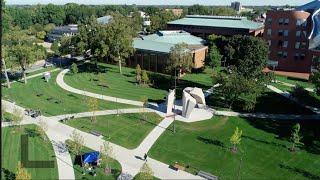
304,24
269,20
299,22
280,54
286,33
302,56
280,33
286,21
298,33
303,45
297,46
285,54
296,56
280,43
304,34
269,31
280,21
269,42
285,44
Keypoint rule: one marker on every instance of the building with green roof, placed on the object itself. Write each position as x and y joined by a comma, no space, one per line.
152,51
220,25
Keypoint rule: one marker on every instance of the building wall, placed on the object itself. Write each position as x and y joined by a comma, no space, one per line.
204,32
282,48
156,62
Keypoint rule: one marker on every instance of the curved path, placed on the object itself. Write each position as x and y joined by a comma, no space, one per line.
63,85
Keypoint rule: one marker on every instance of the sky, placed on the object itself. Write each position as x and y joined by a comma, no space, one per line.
163,2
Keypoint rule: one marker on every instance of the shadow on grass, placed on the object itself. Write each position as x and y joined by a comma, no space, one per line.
31,132
265,142
310,131
8,175
304,173
211,141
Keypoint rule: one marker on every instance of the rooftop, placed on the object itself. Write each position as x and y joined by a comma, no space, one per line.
163,41
104,19
218,21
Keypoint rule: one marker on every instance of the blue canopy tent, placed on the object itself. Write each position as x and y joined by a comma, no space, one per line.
91,157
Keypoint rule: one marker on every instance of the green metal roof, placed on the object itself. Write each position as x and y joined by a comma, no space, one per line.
163,41
218,21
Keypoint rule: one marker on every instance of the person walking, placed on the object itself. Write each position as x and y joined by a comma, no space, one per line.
145,157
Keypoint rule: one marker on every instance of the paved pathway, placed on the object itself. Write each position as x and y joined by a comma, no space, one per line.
292,85
288,95
129,159
63,85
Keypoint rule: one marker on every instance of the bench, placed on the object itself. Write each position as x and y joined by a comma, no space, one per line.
179,167
207,175
66,119
95,133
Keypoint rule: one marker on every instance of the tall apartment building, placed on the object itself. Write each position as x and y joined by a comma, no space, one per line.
288,33
236,6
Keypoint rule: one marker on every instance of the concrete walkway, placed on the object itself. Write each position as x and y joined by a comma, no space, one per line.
288,95
292,85
63,85
130,160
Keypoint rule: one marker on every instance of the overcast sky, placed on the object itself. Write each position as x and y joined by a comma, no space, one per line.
163,2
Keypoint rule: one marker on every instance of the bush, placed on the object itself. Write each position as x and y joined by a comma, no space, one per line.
74,68
145,77
299,92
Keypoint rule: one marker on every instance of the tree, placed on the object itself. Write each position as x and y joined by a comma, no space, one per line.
145,78
22,173
42,128
41,35
106,152
180,59
138,73
17,117
315,79
145,173
235,139
77,142
5,72
295,137
74,68
144,100
93,107
215,57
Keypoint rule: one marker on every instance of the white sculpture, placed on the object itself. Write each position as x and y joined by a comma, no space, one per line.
170,101
191,98
47,76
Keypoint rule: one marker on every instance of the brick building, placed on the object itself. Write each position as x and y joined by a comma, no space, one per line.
152,51
203,26
287,32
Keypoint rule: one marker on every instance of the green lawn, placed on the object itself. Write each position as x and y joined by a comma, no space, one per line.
6,117
127,130
311,98
38,150
125,86
50,98
264,149
114,164
269,102
295,81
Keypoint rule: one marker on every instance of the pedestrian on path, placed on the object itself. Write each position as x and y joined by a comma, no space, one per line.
145,157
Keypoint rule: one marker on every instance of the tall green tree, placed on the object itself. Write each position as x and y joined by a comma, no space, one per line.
180,59
235,139
295,137
215,57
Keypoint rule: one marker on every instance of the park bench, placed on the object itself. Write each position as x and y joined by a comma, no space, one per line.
207,175
95,133
66,119
179,167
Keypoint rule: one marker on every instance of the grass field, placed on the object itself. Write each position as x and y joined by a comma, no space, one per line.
125,86
294,81
127,130
38,150
41,71
115,166
50,98
264,150
269,102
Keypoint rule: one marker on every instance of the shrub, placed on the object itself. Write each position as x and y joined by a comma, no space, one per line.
74,68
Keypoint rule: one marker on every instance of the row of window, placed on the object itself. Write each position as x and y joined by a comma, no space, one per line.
285,21
285,33
284,44
297,56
